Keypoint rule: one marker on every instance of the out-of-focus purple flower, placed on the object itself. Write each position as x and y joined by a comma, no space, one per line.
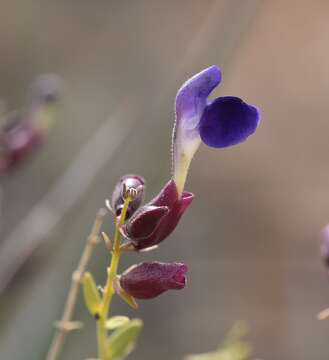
17,140
219,123
24,130
128,183
154,221
325,245
45,92
150,279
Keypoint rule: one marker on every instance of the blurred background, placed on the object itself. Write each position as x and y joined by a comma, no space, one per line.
251,238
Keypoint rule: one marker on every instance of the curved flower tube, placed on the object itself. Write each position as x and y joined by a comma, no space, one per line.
219,123
150,279
153,222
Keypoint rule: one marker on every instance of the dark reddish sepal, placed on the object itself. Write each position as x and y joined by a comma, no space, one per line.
153,222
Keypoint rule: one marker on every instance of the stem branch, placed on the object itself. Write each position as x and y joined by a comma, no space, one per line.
65,325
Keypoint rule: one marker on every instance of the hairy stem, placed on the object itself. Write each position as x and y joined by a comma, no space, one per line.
108,290
66,324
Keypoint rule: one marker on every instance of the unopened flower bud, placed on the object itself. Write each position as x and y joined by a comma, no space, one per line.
150,279
132,186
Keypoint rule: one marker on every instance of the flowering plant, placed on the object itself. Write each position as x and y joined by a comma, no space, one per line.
219,123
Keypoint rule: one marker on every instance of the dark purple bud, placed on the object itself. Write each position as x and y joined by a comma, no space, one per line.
150,279
18,138
325,245
133,185
153,222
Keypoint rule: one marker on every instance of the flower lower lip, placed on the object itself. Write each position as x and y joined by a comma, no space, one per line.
180,279
180,276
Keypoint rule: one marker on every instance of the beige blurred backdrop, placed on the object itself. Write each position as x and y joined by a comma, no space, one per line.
251,238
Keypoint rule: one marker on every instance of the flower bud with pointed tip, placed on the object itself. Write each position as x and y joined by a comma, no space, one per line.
150,279
153,222
133,184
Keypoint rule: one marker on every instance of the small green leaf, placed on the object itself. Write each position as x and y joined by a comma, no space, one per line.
91,294
122,341
238,331
233,347
116,321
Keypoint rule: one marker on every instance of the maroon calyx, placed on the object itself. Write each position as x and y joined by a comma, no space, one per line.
153,222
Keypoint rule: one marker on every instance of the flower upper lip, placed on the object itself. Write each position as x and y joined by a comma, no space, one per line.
222,122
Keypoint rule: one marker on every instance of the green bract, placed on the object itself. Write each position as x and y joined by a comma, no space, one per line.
116,321
91,294
233,347
122,341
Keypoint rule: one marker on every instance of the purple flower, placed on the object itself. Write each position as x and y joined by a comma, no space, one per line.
150,279
154,221
222,122
23,131
124,185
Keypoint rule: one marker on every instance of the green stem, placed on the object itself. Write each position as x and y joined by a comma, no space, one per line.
101,340
109,290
